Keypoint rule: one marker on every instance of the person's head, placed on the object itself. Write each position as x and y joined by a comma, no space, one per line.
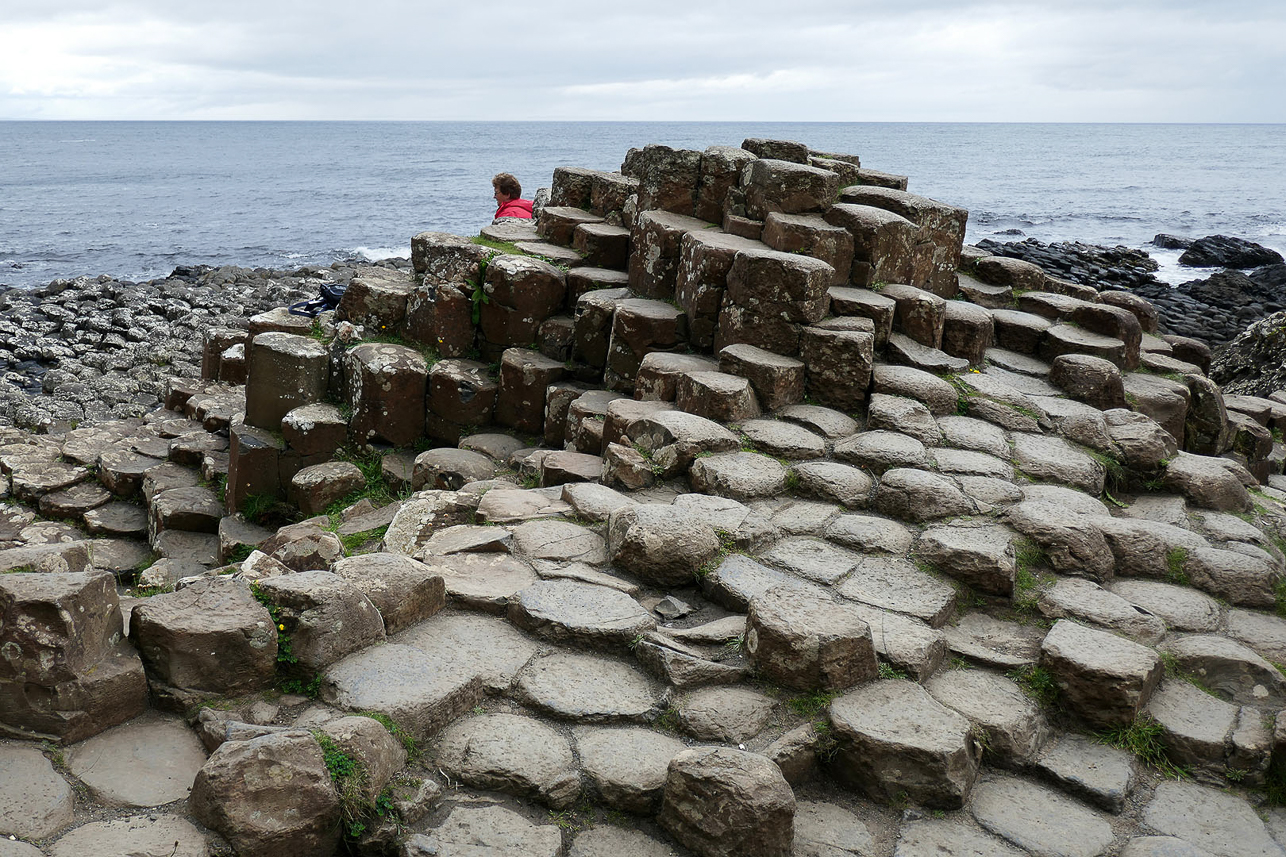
507,188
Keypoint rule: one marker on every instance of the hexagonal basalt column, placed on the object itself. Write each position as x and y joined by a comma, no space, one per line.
809,642
524,378
786,187
285,371
386,384
655,244
1103,679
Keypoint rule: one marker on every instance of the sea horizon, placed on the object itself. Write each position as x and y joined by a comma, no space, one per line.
134,198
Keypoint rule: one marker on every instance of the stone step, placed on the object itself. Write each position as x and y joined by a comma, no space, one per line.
716,395
602,245
557,224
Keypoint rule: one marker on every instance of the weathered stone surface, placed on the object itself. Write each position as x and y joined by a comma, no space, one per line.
614,841
386,386
838,365
807,642
147,762
895,739
1054,460
1221,823
1230,668
731,715
1206,482
482,581
315,489
723,802
1179,607
269,796
1197,726
586,689
210,638
782,439
285,372
491,830
304,546
1072,542
664,544
55,627
1014,726
881,451
937,394
900,414
942,838
1238,578
833,482
420,691
513,754
326,616
739,475
579,613
1039,820
813,558
35,803
1091,771
826,830
151,835
894,583
448,469
917,495
980,556
1087,601
777,380
674,439
627,766
1101,678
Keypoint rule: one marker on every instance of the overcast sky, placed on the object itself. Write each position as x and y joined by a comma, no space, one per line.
893,60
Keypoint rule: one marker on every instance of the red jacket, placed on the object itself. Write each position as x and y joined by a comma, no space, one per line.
515,208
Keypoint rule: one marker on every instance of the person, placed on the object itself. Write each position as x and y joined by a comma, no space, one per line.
508,192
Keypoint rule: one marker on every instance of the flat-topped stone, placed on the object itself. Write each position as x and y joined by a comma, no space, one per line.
1221,823
1102,678
579,613
149,761
827,422
1040,820
35,802
995,643
478,644
586,689
896,740
488,829
731,715
895,583
1089,770
513,754
627,766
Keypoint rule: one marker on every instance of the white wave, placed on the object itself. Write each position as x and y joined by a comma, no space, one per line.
375,254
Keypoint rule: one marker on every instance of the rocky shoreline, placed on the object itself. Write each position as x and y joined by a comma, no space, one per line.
81,351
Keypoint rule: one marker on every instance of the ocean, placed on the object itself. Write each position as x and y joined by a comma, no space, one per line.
136,199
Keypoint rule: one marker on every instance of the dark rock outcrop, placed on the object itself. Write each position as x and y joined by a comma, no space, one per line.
1222,251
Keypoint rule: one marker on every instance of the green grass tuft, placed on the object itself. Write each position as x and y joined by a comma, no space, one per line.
1145,739
1037,682
1176,559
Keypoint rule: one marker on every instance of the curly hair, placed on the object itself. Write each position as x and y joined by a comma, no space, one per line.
507,184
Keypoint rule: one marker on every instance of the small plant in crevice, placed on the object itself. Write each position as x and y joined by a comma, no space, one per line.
1145,738
1037,683
1176,560
825,746
809,705
1279,598
350,780
888,671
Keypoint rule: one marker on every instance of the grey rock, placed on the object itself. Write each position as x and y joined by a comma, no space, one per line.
1101,678
1221,823
1052,459
995,643
1089,602
1197,726
491,830
666,545
732,715
586,689
812,558
893,583
579,613
979,556
727,803
932,838
895,739
975,434
609,841
808,642
477,645
1039,820
516,755
1091,771
1230,668
783,439
419,691
152,835
35,803
627,766
149,761
1179,607
326,616
870,534
826,830
739,475
404,590
1014,726
833,482
559,541
881,450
